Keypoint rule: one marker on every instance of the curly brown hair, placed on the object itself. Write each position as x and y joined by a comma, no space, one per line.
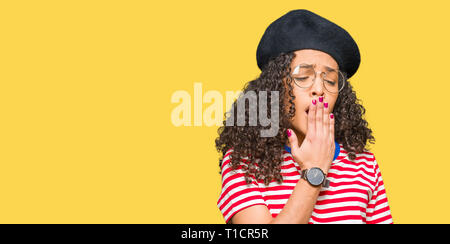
261,157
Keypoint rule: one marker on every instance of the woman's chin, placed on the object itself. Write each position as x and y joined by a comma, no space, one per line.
300,131
301,127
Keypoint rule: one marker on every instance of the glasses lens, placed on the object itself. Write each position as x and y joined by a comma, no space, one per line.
333,81
303,76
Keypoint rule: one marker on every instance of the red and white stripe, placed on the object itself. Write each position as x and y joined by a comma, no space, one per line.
356,193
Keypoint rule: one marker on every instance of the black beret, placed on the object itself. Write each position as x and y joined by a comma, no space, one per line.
302,29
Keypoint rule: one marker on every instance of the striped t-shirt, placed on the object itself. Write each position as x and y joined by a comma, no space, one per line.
356,193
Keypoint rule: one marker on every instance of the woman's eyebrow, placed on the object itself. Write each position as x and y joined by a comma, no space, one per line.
329,68
313,66
306,65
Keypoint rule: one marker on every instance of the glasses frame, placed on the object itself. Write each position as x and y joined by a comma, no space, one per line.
341,75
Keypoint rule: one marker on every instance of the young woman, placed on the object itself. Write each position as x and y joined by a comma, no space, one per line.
317,168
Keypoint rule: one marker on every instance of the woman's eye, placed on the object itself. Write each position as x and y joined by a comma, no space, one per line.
331,82
301,78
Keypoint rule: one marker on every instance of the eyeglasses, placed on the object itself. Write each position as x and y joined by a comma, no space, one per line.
304,76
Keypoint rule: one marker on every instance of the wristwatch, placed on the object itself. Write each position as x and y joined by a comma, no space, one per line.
315,176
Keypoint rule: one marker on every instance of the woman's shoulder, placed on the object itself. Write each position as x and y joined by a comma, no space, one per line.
226,159
362,162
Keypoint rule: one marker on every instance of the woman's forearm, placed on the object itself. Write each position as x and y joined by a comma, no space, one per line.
299,206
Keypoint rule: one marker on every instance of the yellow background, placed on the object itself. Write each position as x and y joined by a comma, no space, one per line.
85,130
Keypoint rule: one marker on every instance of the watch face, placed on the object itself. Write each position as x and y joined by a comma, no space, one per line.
315,176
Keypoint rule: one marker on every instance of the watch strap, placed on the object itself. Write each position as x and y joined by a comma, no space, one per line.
326,182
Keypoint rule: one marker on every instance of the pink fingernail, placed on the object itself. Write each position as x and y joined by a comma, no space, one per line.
288,132
332,116
321,99
325,105
314,101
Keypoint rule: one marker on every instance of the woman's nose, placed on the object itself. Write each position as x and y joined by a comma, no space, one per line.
317,87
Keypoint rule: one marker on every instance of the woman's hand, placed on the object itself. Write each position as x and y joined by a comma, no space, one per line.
317,149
